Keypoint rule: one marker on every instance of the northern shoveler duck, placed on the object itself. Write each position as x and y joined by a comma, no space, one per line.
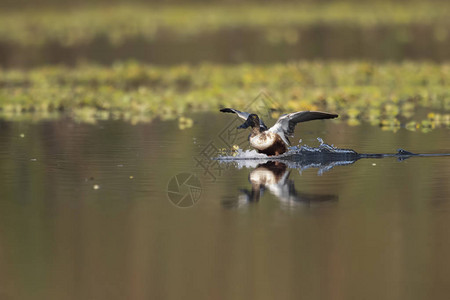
274,141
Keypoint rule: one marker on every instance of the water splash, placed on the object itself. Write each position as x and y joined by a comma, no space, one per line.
324,157
293,152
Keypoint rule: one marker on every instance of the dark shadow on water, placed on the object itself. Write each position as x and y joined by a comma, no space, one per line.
324,157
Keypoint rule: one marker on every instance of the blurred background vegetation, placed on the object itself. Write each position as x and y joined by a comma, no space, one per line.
66,3
383,62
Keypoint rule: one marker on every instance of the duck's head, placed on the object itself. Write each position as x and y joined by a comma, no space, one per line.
252,121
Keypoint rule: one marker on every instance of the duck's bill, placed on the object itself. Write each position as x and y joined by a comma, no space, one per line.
243,126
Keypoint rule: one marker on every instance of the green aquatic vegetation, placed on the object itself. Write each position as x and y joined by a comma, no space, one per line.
391,95
80,25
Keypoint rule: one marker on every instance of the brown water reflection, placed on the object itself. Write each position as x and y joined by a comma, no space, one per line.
273,177
245,45
387,236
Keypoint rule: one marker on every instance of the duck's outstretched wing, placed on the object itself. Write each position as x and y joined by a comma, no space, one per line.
285,125
244,115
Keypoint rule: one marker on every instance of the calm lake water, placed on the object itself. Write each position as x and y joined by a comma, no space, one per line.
85,214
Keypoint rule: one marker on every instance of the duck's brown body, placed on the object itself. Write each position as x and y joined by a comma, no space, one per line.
277,148
268,143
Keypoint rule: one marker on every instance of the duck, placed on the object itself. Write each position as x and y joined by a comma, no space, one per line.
274,140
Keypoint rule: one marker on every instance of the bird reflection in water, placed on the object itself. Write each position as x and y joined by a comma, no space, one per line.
274,177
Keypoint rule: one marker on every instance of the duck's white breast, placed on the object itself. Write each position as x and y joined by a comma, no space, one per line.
263,141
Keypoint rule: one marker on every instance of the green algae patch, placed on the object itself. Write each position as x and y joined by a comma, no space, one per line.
392,95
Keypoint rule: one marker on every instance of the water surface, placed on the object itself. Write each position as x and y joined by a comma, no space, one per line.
85,214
